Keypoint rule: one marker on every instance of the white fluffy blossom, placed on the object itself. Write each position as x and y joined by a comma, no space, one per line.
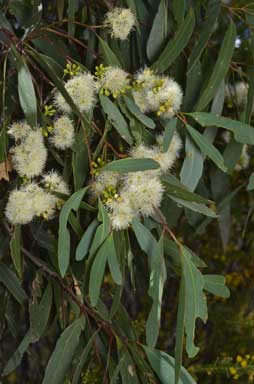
29,201
143,192
165,159
104,180
160,94
237,93
54,182
63,133
19,209
121,21
114,81
19,129
43,203
244,160
121,214
29,157
82,89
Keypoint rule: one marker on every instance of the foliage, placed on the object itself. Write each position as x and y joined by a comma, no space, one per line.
98,229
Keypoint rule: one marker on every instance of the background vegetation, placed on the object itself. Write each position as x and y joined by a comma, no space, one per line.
204,46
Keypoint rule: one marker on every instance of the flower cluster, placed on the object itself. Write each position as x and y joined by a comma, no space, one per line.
236,93
82,89
29,155
32,200
112,80
159,94
120,21
63,133
136,193
242,363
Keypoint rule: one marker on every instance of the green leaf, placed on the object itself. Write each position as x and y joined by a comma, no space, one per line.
158,32
73,6
220,68
15,249
82,360
97,271
169,133
79,160
39,314
63,234
131,165
17,357
192,167
134,109
104,217
177,190
109,56
180,330
250,185
195,301
3,144
86,240
26,93
116,118
213,10
62,356
12,283
206,147
176,46
216,285
243,132
158,277
196,207
146,240
179,10
113,261
163,366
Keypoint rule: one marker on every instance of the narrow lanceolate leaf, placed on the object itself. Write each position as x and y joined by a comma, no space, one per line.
176,46
180,330
243,133
61,359
164,367
146,240
179,10
39,314
82,360
220,68
113,262
15,249
250,185
86,240
134,109
17,357
193,164
116,118
72,9
131,165
109,56
196,207
158,277
212,13
12,283
63,234
216,285
26,92
169,133
158,32
97,271
180,192
195,301
207,148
